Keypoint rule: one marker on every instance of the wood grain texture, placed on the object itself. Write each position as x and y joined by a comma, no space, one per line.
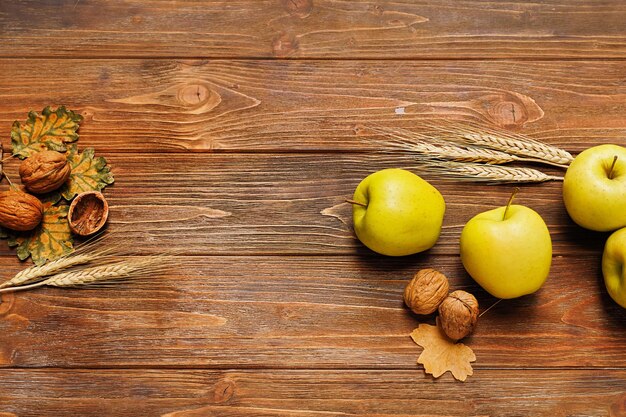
236,129
295,106
289,203
303,312
314,29
309,393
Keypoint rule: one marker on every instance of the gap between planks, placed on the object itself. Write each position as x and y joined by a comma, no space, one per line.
475,366
527,58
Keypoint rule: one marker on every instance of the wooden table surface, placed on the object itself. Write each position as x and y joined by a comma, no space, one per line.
232,128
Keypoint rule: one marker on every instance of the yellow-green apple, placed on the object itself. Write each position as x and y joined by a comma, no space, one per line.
614,268
594,188
397,213
507,250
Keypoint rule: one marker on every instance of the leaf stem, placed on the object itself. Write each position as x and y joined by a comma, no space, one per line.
490,307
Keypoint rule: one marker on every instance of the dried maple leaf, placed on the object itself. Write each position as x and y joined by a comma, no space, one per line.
88,173
52,129
441,354
50,240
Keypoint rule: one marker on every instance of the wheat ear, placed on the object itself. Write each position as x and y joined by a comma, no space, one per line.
513,143
431,147
87,252
107,273
115,271
492,173
38,273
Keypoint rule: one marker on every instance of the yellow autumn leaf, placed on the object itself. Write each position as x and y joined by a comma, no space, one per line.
52,129
50,240
89,173
441,354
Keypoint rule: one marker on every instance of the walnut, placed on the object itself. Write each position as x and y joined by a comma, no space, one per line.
458,314
426,291
45,171
19,211
88,213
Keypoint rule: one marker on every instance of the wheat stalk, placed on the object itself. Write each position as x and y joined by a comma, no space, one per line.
97,250
513,143
86,253
111,272
38,273
492,173
432,147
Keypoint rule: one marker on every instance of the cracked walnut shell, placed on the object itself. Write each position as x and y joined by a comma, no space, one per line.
426,291
45,171
458,314
88,213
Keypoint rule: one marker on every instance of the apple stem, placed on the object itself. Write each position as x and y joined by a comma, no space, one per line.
490,307
356,202
515,191
611,174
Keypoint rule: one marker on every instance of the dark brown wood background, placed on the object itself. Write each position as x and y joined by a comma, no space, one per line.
233,131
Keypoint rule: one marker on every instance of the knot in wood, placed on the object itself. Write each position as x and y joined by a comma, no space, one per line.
508,113
298,8
194,95
284,45
378,10
224,390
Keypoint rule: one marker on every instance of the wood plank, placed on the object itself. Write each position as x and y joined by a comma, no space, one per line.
180,393
289,204
303,312
285,106
314,29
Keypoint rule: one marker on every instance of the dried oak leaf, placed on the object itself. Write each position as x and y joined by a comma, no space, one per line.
52,129
441,354
50,240
88,173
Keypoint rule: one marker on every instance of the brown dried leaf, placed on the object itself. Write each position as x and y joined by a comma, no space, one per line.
441,354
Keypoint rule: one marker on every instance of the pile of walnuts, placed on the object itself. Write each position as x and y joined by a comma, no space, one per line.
427,292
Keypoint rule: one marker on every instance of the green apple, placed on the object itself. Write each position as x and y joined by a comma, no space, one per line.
594,188
397,213
613,268
507,250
